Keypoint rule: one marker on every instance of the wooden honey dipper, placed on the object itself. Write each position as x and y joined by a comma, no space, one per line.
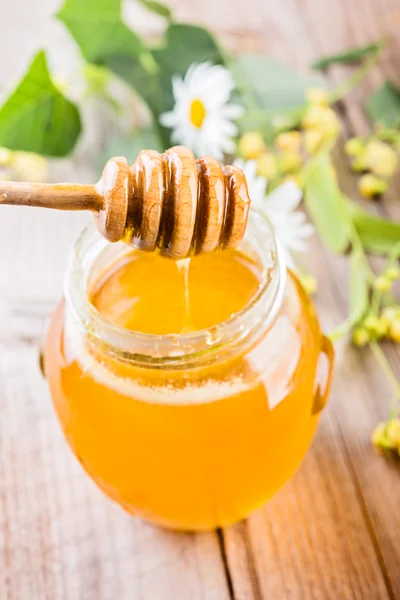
169,202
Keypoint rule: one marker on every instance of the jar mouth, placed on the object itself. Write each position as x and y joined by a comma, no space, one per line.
176,348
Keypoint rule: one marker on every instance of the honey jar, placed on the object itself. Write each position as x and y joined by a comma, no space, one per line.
189,390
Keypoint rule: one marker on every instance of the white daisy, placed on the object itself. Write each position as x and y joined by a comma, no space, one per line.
202,116
290,225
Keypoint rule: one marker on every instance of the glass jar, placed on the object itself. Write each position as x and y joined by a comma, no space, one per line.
190,431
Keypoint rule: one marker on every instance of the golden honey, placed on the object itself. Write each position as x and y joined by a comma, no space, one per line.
190,392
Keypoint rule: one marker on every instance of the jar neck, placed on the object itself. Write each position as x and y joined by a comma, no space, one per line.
92,257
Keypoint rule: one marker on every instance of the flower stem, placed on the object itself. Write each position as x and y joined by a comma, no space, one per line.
387,369
394,254
358,75
375,302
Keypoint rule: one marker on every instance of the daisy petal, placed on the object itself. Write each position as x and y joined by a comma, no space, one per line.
212,86
168,119
285,198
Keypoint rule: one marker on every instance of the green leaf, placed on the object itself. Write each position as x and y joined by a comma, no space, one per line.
98,29
358,293
326,205
183,46
37,117
105,40
157,7
351,56
130,146
378,235
383,106
273,94
273,85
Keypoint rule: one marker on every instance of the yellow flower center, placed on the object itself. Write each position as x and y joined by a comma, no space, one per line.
197,113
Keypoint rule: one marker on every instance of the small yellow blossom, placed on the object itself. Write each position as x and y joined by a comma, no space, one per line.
313,140
267,166
380,158
393,272
317,96
5,157
289,141
393,432
370,322
369,185
60,82
27,166
383,283
394,330
309,283
360,337
354,147
321,118
376,326
97,79
290,162
251,145
359,165
390,313
379,437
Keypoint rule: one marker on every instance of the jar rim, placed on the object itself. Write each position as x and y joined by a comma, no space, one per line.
176,348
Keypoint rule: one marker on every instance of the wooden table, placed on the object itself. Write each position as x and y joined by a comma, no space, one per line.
333,532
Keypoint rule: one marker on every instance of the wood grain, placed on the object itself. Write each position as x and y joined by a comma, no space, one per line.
333,531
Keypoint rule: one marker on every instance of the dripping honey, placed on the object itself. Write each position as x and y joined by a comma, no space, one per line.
191,448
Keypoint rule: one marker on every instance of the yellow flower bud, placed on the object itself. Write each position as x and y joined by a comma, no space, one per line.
394,330
390,313
360,337
322,118
393,433
358,164
27,166
251,145
267,166
313,140
370,186
317,96
60,82
381,159
289,162
376,326
5,176
309,283
97,78
383,283
289,141
354,147
393,272
379,437
381,328
5,157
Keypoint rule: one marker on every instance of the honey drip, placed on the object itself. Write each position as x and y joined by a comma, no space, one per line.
183,266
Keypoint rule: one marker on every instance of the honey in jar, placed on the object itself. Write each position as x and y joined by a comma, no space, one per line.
190,391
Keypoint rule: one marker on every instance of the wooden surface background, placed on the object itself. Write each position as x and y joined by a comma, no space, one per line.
334,531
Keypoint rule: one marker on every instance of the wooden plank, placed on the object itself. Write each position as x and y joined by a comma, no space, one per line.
325,535
377,479
314,539
60,539
354,395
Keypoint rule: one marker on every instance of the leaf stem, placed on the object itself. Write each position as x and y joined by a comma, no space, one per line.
394,254
375,301
387,369
354,79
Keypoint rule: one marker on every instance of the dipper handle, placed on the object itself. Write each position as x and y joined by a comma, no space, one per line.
167,202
